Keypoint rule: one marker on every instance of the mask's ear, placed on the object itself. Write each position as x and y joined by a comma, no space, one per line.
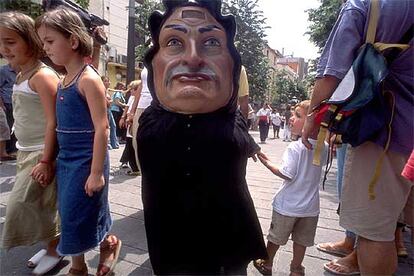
154,22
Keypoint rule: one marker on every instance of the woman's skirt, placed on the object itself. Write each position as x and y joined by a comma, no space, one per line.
31,213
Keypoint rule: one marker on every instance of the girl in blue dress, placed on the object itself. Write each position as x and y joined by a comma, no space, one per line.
82,131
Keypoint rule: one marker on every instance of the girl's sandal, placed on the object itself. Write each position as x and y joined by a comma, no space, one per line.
259,264
297,271
110,247
78,272
34,261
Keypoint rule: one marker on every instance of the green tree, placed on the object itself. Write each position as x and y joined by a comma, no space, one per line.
25,6
83,3
143,12
30,7
285,89
250,39
322,20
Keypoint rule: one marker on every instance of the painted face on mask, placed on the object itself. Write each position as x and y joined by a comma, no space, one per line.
193,67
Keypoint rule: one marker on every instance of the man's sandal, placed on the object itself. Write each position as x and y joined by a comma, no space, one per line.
259,264
331,248
78,272
107,249
337,268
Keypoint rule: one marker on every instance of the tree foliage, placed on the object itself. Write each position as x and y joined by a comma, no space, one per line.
322,20
285,89
250,39
143,12
25,6
29,7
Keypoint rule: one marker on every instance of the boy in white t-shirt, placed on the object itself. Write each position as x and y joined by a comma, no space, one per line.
296,204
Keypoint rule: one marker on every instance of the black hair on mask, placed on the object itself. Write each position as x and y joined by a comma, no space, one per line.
157,20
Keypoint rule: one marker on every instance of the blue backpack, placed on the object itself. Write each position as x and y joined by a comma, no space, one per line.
359,107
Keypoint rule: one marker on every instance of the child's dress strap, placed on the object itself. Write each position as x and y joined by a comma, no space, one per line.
75,79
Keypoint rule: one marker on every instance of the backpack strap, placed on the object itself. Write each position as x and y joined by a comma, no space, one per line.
372,22
405,39
378,165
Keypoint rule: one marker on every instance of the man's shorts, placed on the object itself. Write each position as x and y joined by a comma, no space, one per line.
302,229
4,127
373,219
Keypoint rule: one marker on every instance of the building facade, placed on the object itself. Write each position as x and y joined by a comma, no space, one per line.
113,57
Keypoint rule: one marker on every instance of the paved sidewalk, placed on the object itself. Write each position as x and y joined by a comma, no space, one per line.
126,208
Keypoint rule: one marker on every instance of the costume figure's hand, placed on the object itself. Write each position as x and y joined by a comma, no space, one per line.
308,129
95,183
259,155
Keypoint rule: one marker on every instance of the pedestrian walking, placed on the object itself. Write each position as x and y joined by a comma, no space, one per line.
118,105
128,155
4,134
263,116
373,220
193,146
296,204
286,130
82,169
31,214
141,102
276,121
7,80
113,140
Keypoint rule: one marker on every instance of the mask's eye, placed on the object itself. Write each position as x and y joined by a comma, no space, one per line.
174,43
212,42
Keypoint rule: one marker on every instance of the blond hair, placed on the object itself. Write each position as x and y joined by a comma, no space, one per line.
304,105
24,26
133,84
68,23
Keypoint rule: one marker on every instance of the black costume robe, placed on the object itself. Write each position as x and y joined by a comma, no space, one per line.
198,211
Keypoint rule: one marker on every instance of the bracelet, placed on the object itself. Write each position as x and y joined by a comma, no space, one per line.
44,162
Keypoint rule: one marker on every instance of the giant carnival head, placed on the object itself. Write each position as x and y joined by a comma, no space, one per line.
193,65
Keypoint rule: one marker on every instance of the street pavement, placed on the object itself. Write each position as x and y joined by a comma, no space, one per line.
127,212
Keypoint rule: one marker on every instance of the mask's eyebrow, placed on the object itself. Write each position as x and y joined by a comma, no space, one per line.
209,28
176,27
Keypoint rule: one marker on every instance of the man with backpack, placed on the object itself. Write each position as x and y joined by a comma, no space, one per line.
373,220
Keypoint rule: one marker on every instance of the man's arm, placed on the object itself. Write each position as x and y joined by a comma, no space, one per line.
243,93
131,112
99,31
324,88
244,105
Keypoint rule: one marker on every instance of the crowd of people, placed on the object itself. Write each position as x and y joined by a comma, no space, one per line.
189,107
